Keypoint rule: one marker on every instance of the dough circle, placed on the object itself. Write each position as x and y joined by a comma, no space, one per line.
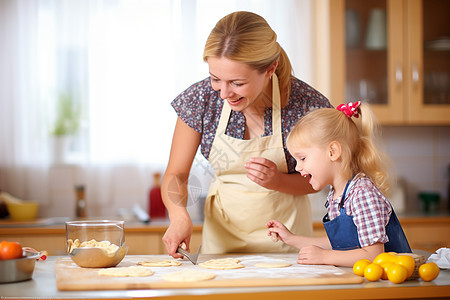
222,264
159,263
272,265
132,271
188,276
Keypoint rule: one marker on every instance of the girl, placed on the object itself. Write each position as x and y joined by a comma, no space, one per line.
331,149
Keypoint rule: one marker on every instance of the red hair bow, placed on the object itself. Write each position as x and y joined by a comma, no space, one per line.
350,109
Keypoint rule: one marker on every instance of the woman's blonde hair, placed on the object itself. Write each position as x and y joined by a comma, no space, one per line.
356,137
247,37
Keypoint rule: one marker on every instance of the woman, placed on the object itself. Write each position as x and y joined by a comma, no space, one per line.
241,117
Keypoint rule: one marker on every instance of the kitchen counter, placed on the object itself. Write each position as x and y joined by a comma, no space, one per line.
43,285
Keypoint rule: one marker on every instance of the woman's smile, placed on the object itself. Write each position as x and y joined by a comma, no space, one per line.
235,102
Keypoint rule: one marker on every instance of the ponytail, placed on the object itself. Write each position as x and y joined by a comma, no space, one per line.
369,159
284,73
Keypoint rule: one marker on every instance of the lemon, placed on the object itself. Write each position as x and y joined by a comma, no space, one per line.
408,262
383,258
397,273
373,272
360,265
428,271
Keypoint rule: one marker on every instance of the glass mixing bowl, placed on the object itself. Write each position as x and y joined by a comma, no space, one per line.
96,243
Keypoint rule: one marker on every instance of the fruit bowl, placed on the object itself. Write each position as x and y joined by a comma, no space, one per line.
96,244
19,269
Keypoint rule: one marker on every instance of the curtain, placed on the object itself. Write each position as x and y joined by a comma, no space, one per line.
105,72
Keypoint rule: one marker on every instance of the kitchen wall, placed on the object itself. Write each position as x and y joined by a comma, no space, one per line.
421,157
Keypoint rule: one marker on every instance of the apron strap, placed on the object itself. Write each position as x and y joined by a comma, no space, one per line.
341,205
276,111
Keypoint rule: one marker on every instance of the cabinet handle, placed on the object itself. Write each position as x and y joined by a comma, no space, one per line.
398,74
415,74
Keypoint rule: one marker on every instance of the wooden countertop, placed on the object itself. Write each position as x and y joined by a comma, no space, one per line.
43,286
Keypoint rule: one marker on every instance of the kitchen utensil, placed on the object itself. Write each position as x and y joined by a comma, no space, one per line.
20,269
89,257
96,236
192,257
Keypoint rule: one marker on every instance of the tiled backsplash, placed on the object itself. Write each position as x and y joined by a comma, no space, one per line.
421,156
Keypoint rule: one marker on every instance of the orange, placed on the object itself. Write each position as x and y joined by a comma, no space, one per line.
408,262
360,265
397,273
383,258
10,250
373,272
428,271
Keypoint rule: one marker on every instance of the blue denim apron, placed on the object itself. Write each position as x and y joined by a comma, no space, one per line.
343,234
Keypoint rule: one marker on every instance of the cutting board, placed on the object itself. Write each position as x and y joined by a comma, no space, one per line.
71,277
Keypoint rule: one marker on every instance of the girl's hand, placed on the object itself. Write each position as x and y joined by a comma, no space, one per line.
263,172
282,232
311,255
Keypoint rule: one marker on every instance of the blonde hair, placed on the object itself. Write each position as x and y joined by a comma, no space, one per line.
355,135
247,37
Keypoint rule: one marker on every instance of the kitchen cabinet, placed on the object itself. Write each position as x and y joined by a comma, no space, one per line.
394,54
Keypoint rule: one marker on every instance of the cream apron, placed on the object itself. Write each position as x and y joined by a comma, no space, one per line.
237,209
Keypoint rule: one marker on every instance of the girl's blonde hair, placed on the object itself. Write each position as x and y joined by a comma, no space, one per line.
355,135
247,37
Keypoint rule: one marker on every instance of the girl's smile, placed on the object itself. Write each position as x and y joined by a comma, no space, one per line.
313,162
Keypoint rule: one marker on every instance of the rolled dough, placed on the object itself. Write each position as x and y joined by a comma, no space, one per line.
188,276
132,271
159,263
272,265
222,264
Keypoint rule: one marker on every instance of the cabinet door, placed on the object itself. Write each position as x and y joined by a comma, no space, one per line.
392,54
428,55
366,39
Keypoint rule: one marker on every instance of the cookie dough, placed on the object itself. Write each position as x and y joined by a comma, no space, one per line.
274,237
222,264
132,271
272,265
105,245
188,276
159,263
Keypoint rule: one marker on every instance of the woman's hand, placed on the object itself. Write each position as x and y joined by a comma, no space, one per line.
179,231
263,171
